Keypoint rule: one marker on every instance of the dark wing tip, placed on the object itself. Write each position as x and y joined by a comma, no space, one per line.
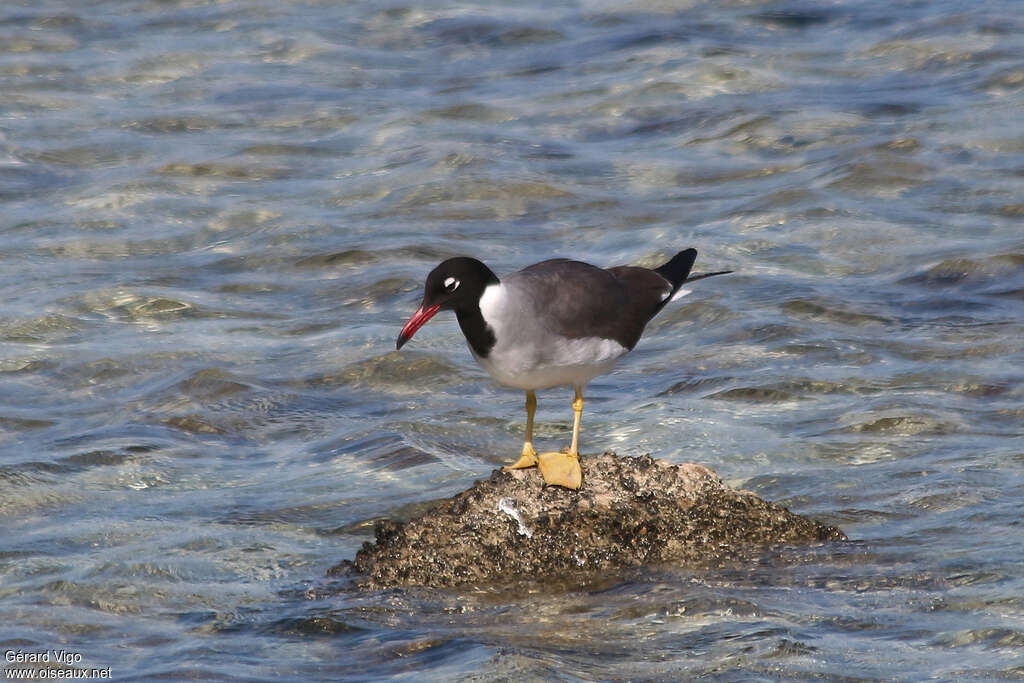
701,276
678,268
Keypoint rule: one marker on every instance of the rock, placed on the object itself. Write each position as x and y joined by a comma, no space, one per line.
629,512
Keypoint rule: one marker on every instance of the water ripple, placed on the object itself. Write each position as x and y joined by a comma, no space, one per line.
216,217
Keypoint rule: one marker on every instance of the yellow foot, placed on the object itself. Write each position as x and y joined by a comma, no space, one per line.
527,459
561,469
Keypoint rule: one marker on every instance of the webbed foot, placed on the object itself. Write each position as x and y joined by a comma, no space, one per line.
561,469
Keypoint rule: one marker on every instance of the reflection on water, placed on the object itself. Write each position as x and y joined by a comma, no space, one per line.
216,216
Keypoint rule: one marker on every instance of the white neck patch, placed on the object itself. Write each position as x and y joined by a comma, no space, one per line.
490,303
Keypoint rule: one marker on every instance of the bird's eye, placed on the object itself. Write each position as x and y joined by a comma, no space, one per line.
451,284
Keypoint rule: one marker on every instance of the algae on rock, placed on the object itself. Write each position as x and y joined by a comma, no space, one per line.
629,512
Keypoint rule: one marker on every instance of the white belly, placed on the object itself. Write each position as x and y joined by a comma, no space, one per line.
577,362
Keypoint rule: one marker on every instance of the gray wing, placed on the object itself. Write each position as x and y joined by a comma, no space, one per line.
575,299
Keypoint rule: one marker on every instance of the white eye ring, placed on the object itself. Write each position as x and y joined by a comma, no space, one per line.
451,284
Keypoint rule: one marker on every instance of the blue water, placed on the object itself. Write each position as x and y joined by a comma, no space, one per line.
216,217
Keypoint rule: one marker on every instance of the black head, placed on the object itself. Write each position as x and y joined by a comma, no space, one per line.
455,285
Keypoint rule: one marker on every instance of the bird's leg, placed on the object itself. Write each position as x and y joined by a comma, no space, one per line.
528,458
563,469
577,410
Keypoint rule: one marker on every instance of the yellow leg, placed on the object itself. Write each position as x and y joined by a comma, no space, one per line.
577,410
563,469
528,458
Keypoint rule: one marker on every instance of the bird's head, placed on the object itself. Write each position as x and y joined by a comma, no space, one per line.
455,285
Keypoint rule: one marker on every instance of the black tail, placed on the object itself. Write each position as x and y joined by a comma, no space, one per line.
677,270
